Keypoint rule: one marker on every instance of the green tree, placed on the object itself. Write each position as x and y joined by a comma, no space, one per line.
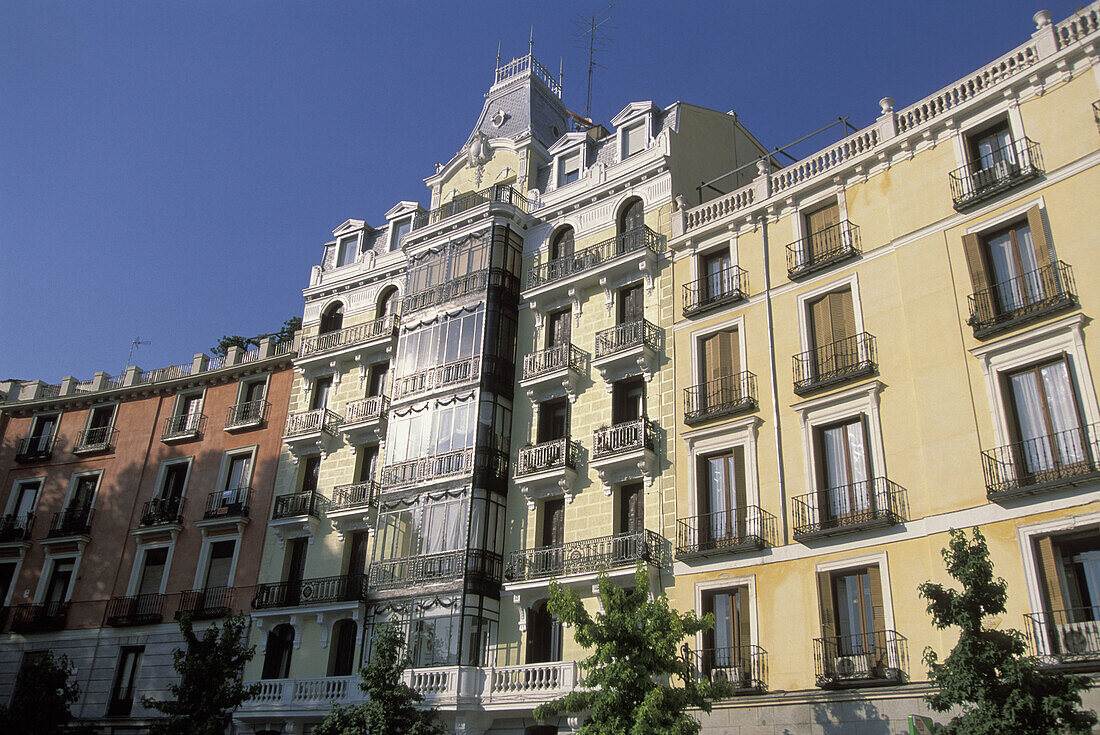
43,695
390,707
211,683
1000,690
635,642
285,334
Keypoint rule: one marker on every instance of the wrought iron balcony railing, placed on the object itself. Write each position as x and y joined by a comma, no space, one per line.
357,495
723,396
849,508
637,240
138,610
344,588
587,556
16,527
446,566
161,511
1020,299
498,194
625,437
744,667
466,370
1067,637
834,363
297,504
72,522
371,408
1043,463
48,616
360,333
621,337
822,249
726,286
456,288
556,454
561,356
246,414
35,448
725,532
206,603
865,659
308,422
184,426
998,171
96,439
228,503
424,469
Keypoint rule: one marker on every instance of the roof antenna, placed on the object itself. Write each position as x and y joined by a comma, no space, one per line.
531,43
597,40
136,343
560,65
498,54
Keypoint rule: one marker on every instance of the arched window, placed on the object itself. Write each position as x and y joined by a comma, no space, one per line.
333,318
631,221
387,301
561,246
280,643
543,635
341,661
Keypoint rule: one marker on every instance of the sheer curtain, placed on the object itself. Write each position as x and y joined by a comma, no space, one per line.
1035,453
1067,442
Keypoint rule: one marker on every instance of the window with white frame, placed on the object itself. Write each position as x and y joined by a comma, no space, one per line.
398,230
236,481
186,419
21,505
347,250
635,138
100,426
569,168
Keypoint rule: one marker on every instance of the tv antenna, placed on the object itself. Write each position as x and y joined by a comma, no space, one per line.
136,343
593,39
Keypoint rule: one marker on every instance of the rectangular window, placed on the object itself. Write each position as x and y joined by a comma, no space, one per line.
725,653
569,168
97,434
1069,575
630,509
553,420
41,435
823,233
717,271
220,565
357,553
832,334
122,691
627,400
321,389
174,481
1046,424
26,498
368,464
631,304
634,139
348,250
721,369
7,578
83,493
238,480
1011,268
152,573
991,148
852,613
57,590
376,383
559,328
400,229
722,497
553,522
843,470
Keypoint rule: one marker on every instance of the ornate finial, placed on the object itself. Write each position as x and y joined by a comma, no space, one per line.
531,43
560,66
498,54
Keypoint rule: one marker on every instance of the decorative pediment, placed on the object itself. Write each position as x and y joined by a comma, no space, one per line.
633,110
352,225
403,208
566,142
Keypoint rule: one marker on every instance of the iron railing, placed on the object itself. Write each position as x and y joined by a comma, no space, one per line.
587,556
561,356
1025,297
48,616
206,603
556,454
835,362
35,448
466,370
371,408
308,422
1069,636
16,527
424,469
228,503
317,344
727,286
459,286
446,566
849,508
246,414
725,532
72,522
1042,463
96,439
863,659
498,194
297,504
160,511
743,667
358,495
625,437
1012,164
343,588
137,610
822,249
184,426
638,333
722,396
636,240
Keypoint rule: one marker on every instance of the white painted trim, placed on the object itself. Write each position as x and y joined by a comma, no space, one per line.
75,477
869,560
18,562
50,561
735,321
1026,536
741,433
158,489
97,407
204,558
812,203
227,457
19,482
849,282
748,581
138,566
1001,218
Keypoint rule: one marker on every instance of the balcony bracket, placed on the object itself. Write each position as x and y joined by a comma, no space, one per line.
534,491
613,474
608,295
292,528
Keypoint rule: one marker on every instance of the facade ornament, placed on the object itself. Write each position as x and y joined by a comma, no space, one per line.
478,154
499,118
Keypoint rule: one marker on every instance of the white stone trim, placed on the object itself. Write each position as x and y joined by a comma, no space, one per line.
718,583
138,566
849,282
204,558
13,496
741,433
869,560
1026,535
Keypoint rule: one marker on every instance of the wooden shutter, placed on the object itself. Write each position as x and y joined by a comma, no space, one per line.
631,308
1044,254
821,237
744,634
1050,559
821,322
878,610
721,356
828,608
553,527
739,496
843,314
975,263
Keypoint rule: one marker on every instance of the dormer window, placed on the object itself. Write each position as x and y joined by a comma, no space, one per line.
398,230
569,168
634,139
347,250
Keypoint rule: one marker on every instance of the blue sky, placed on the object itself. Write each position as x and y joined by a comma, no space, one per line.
170,170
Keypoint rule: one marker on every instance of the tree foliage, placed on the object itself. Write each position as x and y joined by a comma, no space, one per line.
43,695
285,334
390,708
1000,690
635,642
211,683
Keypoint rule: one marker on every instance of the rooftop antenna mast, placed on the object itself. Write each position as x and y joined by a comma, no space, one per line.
591,37
136,343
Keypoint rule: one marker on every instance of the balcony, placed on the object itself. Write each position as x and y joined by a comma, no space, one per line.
528,683
449,376
724,532
725,396
625,451
374,338
365,420
448,566
546,469
998,171
310,695
16,527
72,522
1065,638
295,514
823,249
184,427
244,416
627,349
162,512
35,448
428,469
228,504
496,194
1020,300
745,668
344,588
853,508
139,610
207,603
353,507
715,290
459,288
879,658
553,372
608,553
310,432
838,362
1045,463
43,618
95,440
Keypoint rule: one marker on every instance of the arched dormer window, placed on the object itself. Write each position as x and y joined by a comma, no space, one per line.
561,245
387,302
631,224
280,643
332,320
